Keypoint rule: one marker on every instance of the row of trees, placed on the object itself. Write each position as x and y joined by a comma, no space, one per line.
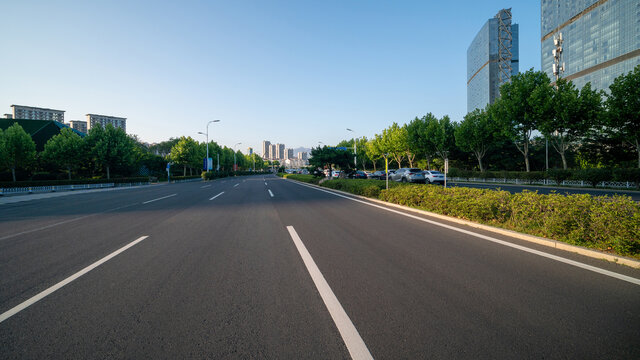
108,151
585,127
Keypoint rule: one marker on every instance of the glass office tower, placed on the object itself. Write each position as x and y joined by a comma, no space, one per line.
492,58
601,39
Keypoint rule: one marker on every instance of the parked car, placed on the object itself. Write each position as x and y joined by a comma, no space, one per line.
434,177
336,174
358,175
408,175
378,175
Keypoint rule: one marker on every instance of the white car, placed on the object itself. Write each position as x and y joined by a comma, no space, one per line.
434,177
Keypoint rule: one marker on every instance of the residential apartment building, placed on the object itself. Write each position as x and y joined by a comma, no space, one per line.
492,58
118,122
303,155
280,155
272,152
36,113
289,153
600,39
79,125
266,149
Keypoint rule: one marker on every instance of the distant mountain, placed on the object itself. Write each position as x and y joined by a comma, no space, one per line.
301,149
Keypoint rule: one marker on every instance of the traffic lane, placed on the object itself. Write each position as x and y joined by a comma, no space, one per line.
417,290
635,195
33,261
215,281
38,213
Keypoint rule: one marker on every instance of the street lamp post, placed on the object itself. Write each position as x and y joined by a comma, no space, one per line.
207,134
355,149
234,156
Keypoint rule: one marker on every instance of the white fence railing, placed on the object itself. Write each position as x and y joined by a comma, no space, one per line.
41,189
574,183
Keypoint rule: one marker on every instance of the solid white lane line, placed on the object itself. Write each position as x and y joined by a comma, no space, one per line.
206,186
492,239
164,197
236,185
16,309
217,196
62,222
270,193
265,184
356,346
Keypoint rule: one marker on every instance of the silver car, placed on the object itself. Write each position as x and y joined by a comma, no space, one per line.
434,177
408,175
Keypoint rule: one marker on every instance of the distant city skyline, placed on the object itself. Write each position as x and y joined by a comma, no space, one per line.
300,72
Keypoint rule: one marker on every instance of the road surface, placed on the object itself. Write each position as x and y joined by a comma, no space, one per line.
262,267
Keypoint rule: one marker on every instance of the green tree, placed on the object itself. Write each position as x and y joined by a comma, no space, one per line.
64,150
326,157
476,134
395,142
524,102
573,113
623,109
374,150
441,135
185,152
418,141
19,149
112,148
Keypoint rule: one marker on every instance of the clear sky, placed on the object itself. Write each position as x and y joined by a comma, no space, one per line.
295,72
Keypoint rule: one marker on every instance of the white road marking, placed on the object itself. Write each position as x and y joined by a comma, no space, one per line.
164,197
270,193
265,184
356,346
206,186
62,222
236,185
217,196
492,239
16,309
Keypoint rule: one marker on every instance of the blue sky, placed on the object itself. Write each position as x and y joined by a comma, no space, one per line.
292,72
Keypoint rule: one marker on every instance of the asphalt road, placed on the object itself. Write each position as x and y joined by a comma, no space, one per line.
635,195
267,268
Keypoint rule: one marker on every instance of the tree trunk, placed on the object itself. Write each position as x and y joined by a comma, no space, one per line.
564,160
184,170
526,162
638,150
13,173
69,171
108,175
480,163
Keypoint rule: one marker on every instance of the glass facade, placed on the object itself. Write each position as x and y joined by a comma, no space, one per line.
601,39
483,79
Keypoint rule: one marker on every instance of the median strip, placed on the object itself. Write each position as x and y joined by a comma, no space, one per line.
16,309
356,346
217,196
164,197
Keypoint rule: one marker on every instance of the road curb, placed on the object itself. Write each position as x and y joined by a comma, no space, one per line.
526,237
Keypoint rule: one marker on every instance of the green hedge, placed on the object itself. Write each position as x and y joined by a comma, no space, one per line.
369,187
304,178
11,184
603,223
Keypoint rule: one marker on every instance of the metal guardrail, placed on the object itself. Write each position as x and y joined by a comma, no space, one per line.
54,188
576,183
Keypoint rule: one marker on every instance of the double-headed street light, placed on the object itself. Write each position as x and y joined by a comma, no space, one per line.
207,134
355,150
234,156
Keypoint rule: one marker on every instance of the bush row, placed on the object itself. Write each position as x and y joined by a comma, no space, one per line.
591,176
369,187
11,184
303,178
210,175
603,223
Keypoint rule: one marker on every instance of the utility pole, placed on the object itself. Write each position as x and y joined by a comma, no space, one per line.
558,69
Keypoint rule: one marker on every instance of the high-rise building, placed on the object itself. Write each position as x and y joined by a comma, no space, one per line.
289,153
303,155
280,152
118,122
600,39
266,149
272,152
36,113
492,58
78,125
